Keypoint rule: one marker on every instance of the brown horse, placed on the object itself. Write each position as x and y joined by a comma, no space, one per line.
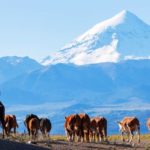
128,126
85,127
98,129
73,127
45,126
2,115
10,123
27,119
34,126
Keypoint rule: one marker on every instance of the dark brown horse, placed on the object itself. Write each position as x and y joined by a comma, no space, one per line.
27,119
93,130
2,115
98,129
85,127
45,126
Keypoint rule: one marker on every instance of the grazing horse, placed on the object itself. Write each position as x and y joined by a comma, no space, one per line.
10,122
85,127
73,127
34,126
98,129
27,119
148,123
2,115
45,126
129,125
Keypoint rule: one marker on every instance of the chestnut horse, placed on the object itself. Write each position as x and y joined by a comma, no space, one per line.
34,126
10,123
73,127
27,119
128,126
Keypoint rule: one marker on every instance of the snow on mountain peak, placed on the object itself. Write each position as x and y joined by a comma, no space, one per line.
112,22
121,37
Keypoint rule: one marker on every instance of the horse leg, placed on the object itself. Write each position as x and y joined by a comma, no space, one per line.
122,136
105,131
3,127
47,135
131,136
35,134
138,133
9,130
78,135
43,135
14,131
32,134
73,136
29,132
67,134
101,136
42,130
82,135
91,136
97,135
87,135
128,136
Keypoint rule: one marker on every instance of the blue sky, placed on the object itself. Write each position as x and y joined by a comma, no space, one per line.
38,27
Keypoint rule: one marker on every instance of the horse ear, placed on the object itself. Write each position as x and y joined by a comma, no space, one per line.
118,122
65,117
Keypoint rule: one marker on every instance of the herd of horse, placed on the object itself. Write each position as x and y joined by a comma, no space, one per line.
84,128
32,123
78,127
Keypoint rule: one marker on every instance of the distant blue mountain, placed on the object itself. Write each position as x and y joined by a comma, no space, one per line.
111,83
12,66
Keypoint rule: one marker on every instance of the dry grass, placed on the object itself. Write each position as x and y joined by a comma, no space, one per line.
60,142
58,138
110,138
118,137
25,137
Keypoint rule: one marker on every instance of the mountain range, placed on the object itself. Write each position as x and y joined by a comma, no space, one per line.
108,65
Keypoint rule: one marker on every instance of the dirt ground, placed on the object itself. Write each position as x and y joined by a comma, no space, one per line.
64,145
58,142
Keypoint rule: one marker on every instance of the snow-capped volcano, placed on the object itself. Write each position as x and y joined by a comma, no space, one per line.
121,37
